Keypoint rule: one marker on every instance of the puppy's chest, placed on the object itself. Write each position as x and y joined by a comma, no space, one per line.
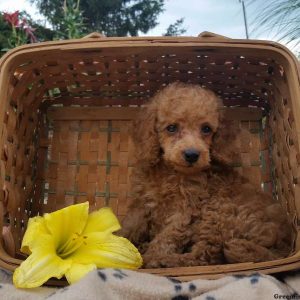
183,194
178,194
197,192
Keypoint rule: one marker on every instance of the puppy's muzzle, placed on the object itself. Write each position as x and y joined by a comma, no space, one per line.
191,155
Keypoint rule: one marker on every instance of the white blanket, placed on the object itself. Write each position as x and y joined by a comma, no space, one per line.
118,284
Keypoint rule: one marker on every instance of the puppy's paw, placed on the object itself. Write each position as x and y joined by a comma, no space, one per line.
170,261
151,262
241,250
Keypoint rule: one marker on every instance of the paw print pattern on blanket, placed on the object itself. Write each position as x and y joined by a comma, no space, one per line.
177,284
116,284
102,275
119,274
58,292
254,278
192,287
178,288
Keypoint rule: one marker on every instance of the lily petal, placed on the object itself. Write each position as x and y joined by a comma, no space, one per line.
78,271
108,252
67,223
39,267
35,234
102,220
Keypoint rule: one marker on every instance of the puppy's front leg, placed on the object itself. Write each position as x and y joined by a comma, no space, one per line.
135,226
165,250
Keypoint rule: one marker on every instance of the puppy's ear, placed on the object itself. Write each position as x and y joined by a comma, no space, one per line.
225,147
145,136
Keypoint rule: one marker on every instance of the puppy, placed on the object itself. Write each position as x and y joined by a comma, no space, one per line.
190,207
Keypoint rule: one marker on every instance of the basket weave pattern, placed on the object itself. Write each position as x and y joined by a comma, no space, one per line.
67,109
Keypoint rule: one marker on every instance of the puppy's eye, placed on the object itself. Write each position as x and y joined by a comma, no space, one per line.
172,128
206,130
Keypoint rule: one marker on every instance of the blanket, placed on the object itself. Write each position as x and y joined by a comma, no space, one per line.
116,284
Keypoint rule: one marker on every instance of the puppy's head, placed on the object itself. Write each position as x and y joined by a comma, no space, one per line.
179,127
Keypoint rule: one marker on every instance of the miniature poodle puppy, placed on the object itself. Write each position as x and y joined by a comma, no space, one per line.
190,206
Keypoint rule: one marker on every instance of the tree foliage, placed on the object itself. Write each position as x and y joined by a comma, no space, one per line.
176,28
112,17
281,17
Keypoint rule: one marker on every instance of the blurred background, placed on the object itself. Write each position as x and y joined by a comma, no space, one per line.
30,21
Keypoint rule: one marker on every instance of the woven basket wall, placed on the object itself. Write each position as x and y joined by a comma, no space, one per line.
66,109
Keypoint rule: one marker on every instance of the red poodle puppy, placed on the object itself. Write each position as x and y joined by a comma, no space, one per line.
190,207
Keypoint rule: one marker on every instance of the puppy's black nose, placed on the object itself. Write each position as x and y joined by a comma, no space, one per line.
191,155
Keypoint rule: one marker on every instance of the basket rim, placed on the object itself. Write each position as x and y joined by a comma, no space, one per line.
214,40
211,271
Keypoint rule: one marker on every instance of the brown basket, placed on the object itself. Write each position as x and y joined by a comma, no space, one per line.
67,107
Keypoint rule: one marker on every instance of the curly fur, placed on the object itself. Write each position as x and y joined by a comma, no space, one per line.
202,213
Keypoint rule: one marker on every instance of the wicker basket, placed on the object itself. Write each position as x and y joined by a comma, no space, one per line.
67,107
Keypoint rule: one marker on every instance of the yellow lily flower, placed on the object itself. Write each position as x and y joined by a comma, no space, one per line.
71,242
